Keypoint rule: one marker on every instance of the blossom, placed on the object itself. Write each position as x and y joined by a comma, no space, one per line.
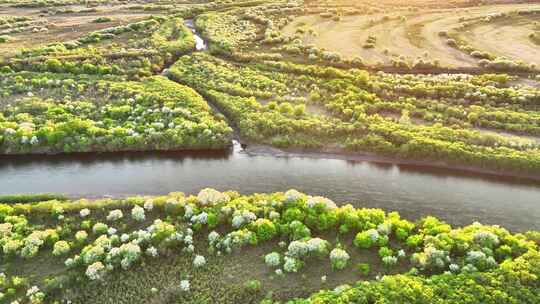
384,228
152,251
199,261
298,249
115,215
84,212
111,231
317,245
184,285
9,131
95,271
34,140
130,253
237,221
213,237
475,256
292,196
274,215
486,238
373,234
291,264
70,262
32,290
339,258
326,203
272,259
5,229
93,254
149,205
137,213
61,248
201,218
209,196
389,260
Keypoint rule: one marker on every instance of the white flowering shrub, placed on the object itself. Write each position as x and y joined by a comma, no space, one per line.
243,217
61,248
115,215
35,240
339,258
81,236
384,228
320,202
130,253
292,264
431,258
152,251
199,261
84,212
213,238
11,247
293,195
272,259
236,240
486,239
210,197
91,254
311,247
389,261
35,295
201,218
95,271
138,214
184,285
480,260
148,205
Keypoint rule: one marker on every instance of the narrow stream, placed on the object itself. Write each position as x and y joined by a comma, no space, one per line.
200,44
459,198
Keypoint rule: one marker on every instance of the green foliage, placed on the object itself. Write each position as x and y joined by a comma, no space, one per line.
31,198
445,258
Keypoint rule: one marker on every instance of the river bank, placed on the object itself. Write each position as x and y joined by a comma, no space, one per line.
336,153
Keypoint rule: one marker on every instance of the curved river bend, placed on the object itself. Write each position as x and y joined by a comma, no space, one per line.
459,198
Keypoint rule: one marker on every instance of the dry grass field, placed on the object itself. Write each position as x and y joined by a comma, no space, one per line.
419,33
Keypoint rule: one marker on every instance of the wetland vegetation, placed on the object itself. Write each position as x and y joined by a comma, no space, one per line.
453,85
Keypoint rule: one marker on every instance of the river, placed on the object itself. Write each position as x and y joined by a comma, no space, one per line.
200,44
459,198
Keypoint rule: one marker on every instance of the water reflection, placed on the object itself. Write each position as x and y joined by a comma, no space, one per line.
458,197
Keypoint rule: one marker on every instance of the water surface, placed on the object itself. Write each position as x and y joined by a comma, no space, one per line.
459,198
